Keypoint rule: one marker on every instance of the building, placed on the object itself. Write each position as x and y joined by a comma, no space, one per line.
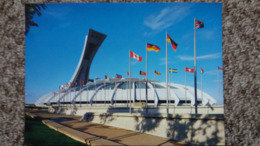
116,91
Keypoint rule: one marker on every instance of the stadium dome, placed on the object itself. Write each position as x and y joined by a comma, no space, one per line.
117,92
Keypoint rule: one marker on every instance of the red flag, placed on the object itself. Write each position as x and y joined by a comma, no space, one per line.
202,71
128,73
107,77
82,82
189,69
133,55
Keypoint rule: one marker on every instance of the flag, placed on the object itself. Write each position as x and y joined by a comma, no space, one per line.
54,93
128,73
151,47
189,69
220,68
174,44
107,77
142,73
198,24
83,82
71,84
97,78
118,76
156,72
90,80
202,71
137,57
173,70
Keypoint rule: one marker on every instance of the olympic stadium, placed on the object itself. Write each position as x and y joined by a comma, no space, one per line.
117,91
135,104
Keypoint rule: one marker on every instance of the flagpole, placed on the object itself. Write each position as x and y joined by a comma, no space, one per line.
127,89
218,88
154,87
59,95
195,69
139,89
105,92
168,89
201,90
167,110
130,108
146,77
185,88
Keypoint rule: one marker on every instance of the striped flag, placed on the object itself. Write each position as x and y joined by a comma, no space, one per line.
220,68
118,76
174,44
142,73
156,72
151,47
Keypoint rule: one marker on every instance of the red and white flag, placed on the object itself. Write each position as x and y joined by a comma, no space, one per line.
107,78
133,55
189,69
202,71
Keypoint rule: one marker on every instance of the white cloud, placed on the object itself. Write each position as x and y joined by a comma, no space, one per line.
166,18
163,61
209,56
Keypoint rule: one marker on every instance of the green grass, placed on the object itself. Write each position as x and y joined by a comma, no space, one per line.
36,133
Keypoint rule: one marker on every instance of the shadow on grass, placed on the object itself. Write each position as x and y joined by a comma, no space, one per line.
37,133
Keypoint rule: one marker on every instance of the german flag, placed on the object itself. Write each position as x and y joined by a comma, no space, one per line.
142,73
174,44
156,72
151,47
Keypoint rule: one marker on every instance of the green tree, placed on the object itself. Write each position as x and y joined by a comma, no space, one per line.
30,11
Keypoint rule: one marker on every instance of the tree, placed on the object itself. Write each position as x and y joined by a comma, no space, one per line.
30,11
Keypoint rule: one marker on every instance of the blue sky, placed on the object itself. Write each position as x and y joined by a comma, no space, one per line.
53,49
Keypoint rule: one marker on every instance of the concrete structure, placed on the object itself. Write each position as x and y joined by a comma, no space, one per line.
92,43
116,91
199,129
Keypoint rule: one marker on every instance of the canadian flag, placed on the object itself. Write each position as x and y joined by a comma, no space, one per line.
189,69
133,55
107,78
202,71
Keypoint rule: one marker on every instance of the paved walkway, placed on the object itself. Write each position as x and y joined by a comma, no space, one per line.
97,134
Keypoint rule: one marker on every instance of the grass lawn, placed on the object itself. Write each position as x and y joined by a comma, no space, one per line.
36,133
